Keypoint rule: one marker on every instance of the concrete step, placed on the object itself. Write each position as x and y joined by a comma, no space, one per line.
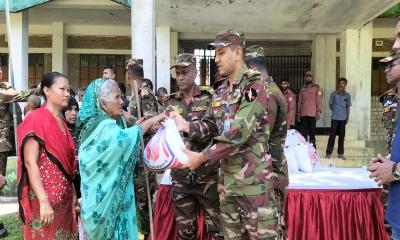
354,152
348,163
322,141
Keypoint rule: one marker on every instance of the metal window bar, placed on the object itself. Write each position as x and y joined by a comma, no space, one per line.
205,65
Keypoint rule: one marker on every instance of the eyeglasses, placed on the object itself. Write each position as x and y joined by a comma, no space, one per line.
390,65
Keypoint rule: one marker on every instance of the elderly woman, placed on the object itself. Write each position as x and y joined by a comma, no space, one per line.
108,153
46,166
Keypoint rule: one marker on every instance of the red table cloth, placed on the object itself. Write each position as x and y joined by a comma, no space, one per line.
164,220
317,214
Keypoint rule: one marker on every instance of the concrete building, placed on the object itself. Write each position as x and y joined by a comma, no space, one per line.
332,38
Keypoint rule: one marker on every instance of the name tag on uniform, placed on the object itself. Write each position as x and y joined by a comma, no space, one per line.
216,104
199,108
178,110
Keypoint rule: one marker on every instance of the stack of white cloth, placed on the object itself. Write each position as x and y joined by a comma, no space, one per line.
332,178
300,154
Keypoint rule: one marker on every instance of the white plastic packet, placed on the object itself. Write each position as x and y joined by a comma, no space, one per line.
164,150
299,153
290,154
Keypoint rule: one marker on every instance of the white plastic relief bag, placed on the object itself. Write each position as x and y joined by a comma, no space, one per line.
164,150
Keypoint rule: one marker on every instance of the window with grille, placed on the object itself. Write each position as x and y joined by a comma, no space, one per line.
205,65
35,68
92,65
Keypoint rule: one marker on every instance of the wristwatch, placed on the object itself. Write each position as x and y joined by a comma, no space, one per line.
395,172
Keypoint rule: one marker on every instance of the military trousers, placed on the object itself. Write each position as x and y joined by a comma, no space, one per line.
142,202
187,198
249,217
3,163
280,200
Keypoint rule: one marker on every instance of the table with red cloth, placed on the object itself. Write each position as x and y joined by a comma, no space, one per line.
334,203
165,226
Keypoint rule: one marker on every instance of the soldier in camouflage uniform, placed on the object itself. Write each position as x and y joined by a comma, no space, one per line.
389,116
193,188
149,108
239,121
7,96
277,116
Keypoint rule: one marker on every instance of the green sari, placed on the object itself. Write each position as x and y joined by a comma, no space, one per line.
107,155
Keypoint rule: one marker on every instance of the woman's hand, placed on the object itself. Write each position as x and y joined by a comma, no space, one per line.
77,206
140,120
127,114
46,213
160,117
152,122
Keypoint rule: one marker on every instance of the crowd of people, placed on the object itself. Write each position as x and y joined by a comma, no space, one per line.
81,156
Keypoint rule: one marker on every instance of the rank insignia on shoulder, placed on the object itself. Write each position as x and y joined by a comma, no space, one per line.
216,104
177,110
251,94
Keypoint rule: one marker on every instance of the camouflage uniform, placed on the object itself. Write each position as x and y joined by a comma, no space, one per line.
149,108
191,188
389,116
6,120
277,116
238,116
389,102
389,119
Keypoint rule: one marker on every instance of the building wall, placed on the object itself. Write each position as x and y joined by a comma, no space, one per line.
377,131
73,71
378,137
99,42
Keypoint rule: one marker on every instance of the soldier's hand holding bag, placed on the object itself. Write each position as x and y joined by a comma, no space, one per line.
165,149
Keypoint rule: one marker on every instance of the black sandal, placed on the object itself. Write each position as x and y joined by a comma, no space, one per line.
3,231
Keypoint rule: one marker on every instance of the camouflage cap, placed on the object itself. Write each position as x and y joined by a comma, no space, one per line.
133,61
226,38
254,51
395,54
184,60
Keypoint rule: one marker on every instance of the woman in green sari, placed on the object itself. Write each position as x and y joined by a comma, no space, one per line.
107,155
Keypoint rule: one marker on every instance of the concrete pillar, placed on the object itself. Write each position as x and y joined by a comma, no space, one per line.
324,69
318,59
19,45
174,49
362,95
59,47
355,65
163,43
143,35
330,76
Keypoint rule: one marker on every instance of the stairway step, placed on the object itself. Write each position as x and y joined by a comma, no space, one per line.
348,163
323,142
359,152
